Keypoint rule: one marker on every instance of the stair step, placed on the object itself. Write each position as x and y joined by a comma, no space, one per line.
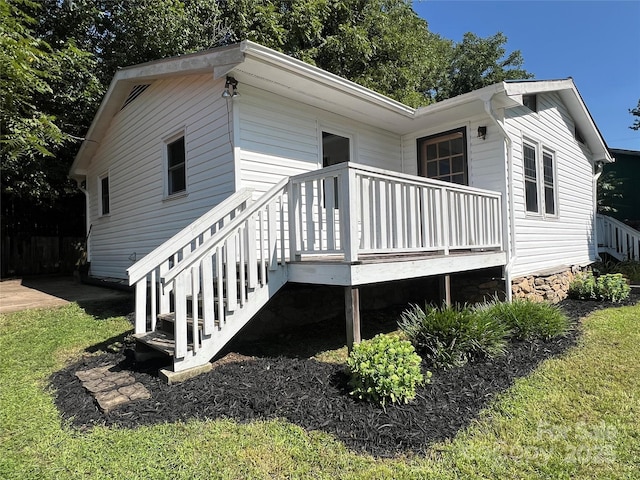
171,317
158,340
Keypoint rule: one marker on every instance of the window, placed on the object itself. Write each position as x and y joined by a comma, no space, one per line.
176,167
531,102
335,149
444,156
549,183
530,179
539,180
103,193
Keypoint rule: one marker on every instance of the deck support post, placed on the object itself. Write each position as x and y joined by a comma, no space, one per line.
352,315
445,289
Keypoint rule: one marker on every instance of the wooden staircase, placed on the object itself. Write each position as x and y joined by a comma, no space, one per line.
198,289
617,239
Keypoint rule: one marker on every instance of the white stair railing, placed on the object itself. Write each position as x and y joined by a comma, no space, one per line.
145,273
228,278
617,239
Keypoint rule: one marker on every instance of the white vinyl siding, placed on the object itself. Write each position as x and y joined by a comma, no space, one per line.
279,137
565,237
133,151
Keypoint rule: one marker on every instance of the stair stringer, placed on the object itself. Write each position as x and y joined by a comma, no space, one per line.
212,344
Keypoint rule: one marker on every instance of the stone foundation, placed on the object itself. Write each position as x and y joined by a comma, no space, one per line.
551,287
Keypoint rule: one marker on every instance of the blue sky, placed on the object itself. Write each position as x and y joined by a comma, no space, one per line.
595,42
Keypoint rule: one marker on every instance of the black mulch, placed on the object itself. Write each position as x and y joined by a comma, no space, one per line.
314,395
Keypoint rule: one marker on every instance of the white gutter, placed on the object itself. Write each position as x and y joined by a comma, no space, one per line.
596,176
87,218
511,251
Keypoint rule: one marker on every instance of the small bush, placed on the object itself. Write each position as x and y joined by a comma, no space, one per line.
611,287
526,319
629,268
451,336
385,368
583,286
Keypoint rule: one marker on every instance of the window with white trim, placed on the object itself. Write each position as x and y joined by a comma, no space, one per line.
539,179
176,166
104,195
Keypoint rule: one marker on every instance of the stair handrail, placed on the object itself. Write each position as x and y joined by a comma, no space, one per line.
221,235
153,259
608,241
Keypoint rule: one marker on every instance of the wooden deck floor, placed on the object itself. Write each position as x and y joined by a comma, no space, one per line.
376,267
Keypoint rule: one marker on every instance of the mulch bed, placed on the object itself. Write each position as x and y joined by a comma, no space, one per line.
314,395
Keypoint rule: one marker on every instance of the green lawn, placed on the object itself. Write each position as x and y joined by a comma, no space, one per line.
575,417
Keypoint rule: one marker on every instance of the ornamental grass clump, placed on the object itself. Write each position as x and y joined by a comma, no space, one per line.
450,336
385,368
527,320
610,287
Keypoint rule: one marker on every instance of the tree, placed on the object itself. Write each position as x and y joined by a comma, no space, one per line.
477,62
609,188
35,77
636,113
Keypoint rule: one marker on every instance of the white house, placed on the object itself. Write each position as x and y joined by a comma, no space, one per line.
212,179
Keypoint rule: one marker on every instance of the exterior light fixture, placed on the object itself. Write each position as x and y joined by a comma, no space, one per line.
482,132
230,88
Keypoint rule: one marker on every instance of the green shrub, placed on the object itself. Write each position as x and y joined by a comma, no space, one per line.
450,336
612,287
385,368
583,286
527,319
629,268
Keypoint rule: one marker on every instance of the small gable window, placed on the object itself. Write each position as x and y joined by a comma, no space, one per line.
104,195
531,102
176,166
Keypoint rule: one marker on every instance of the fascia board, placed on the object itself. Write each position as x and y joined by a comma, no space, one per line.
271,57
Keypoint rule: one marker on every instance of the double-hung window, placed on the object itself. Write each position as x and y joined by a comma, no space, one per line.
539,179
176,166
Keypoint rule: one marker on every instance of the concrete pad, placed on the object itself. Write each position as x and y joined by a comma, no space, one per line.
46,292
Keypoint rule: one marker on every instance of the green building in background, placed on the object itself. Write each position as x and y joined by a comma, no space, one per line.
626,169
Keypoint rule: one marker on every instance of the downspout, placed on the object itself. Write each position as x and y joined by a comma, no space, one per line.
511,251
596,177
87,218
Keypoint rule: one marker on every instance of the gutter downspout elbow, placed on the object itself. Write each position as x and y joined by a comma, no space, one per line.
508,203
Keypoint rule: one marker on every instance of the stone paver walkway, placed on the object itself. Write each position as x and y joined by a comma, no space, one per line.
111,387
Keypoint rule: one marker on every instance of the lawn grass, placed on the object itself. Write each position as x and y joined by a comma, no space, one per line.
574,417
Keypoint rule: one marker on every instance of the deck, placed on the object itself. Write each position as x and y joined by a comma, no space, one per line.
347,225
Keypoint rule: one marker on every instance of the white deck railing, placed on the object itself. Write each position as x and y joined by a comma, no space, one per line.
351,209
617,239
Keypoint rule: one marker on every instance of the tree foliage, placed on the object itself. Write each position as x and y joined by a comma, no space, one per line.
58,57
40,89
477,62
636,113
